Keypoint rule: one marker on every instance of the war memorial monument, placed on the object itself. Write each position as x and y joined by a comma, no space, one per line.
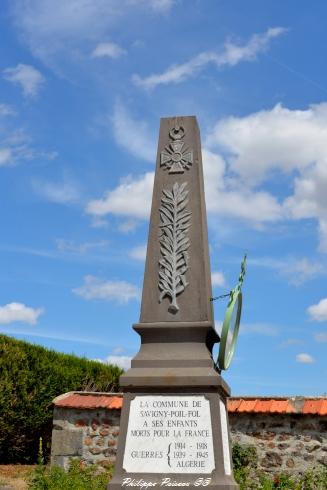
174,426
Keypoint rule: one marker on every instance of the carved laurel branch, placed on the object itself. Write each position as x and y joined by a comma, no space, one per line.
174,242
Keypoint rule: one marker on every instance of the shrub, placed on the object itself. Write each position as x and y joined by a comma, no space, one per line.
249,478
315,479
76,478
30,377
244,464
80,477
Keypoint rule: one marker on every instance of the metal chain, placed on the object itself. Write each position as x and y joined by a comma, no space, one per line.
239,285
221,296
242,273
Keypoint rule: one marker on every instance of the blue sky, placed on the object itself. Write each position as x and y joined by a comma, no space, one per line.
83,85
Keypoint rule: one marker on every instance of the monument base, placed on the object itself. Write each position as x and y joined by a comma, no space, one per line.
173,439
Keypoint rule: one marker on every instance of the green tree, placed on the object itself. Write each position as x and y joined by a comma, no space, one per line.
30,378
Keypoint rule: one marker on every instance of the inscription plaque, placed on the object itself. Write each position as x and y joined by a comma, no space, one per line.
169,434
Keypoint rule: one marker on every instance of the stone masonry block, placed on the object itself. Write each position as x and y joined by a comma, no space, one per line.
67,443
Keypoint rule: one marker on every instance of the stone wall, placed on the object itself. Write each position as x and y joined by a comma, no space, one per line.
284,442
90,435
86,426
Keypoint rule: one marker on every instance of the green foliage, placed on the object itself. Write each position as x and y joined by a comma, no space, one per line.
249,478
76,478
79,477
244,464
315,479
244,456
282,482
30,378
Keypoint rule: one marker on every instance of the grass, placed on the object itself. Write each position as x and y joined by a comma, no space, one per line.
15,476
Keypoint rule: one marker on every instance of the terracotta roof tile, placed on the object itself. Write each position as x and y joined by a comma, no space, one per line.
112,401
116,402
233,404
262,406
315,407
247,405
281,406
89,401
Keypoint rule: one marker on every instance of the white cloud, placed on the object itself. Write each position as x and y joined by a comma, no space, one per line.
259,328
139,252
256,207
16,145
128,226
175,73
64,192
320,337
69,246
289,342
133,135
28,77
255,147
95,288
110,50
293,142
322,234
98,222
301,271
18,312
59,29
6,110
231,55
6,157
131,198
296,271
222,197
318,312
118,350
123,362
309,199
156,5
235,53
228,197
304,358
277,138
218,278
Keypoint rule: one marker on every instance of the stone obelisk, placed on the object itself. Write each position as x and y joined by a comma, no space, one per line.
174,425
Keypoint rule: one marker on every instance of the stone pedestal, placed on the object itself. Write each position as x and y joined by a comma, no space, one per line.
174,426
